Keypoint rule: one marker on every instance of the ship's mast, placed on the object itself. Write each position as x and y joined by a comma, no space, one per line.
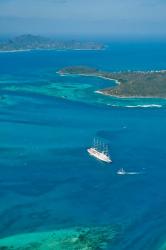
106,149
94,143
100,146
103,149
107,153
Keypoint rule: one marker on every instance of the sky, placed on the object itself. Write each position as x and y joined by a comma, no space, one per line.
109,18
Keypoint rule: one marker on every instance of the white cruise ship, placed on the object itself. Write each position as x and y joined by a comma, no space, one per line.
100,151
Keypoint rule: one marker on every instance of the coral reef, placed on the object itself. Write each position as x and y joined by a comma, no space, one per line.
83,238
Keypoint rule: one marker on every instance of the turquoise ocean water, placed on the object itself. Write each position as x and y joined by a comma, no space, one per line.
47,179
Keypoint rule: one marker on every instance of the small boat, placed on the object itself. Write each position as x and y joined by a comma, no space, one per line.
100,151
121,171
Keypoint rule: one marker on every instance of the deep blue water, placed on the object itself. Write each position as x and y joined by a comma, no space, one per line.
48,181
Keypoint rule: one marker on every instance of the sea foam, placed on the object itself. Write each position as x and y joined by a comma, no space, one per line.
144,106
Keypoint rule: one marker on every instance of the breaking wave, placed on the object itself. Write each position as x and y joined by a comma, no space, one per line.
145,106
140,106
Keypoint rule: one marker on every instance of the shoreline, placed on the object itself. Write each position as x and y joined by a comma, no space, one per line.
14,51
28,50
90,75
129,97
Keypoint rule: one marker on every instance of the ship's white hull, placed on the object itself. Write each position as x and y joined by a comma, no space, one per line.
99,155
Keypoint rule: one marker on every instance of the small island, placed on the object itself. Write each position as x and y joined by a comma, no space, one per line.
130,84
31,42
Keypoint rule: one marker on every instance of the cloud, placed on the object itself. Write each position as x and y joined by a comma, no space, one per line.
141,16
79,9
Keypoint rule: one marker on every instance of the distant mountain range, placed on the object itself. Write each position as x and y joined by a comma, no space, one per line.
31,42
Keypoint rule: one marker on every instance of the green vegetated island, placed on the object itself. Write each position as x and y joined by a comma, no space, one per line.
31,42
130,84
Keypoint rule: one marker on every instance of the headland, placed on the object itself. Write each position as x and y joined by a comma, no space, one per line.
129,84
